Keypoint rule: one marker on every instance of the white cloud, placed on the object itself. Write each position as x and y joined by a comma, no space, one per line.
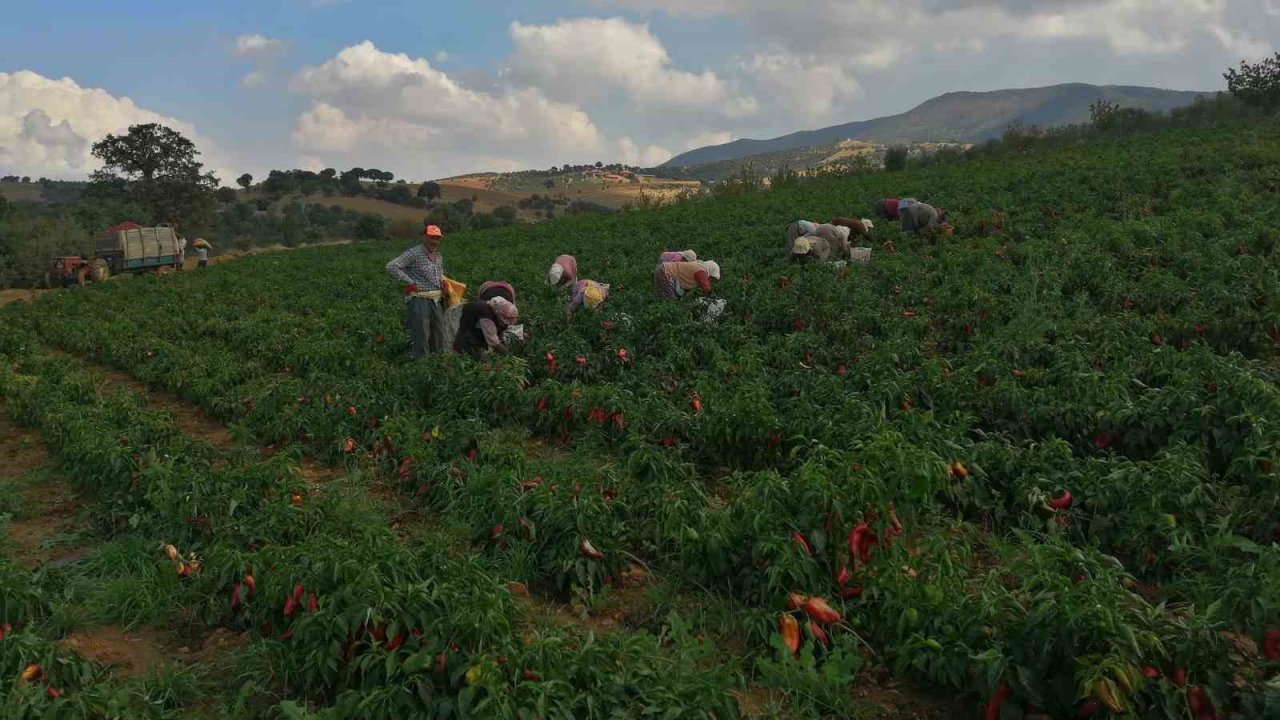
264,52
647,157
255,45
807,86
591,59
441,57
708,138
901,29
371,107
254,78
47,126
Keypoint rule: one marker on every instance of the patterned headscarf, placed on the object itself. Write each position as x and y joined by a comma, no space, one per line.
507,312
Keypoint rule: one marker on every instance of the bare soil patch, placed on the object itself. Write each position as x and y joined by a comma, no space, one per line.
128,653
51,508
20,294
187,418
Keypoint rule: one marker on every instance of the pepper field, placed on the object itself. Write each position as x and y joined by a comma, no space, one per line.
1032,470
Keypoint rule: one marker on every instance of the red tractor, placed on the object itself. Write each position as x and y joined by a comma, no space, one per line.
72,270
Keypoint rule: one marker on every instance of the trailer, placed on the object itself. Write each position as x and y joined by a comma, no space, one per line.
132,249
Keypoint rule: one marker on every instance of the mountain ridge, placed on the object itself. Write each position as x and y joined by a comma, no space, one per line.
959,116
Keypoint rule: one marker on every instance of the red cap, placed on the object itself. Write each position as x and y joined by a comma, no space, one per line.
434,231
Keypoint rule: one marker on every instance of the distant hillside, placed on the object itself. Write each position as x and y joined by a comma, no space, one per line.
966,117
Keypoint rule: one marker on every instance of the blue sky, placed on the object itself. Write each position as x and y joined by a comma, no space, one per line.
429,89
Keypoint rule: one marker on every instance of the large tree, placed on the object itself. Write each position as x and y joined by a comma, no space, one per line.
1256,84
162,173
429,190
245,181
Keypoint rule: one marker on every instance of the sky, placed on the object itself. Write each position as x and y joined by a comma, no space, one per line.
429,89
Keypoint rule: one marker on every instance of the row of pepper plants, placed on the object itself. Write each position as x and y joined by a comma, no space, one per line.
342,616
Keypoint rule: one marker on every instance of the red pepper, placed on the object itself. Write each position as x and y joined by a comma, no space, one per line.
551,363
286,636
850,593
795,601
790,631
235,597
351,410
1150,672
4,630
696,403
396,642
775,439
251,583
842,577
588,550
841,370
818,609
1271,644
531,676
1178,676
861,540
819,634
1200,704
998,698
290,605
581,359
297,593
1062,502
313,604
52,693
802,543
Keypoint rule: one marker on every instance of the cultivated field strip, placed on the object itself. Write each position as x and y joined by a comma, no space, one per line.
1035,462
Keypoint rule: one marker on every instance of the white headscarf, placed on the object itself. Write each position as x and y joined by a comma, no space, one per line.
689,255
554,274
713,269
801,246
867,224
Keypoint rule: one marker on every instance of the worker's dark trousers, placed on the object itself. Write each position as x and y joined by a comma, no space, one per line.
424,320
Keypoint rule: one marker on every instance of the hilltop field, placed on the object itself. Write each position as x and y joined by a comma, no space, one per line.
1028,471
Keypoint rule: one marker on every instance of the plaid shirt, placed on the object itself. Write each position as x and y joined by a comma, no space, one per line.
416,267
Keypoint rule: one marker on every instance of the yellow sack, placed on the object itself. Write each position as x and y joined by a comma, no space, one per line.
453,292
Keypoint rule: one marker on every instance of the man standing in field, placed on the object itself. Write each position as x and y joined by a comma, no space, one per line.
421,270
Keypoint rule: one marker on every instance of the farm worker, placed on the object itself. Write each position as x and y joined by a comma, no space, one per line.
482,325
564,271
857,228
919,216
837,237
811,248
497,288
672,280
182,253
421,270
202,255
678,256
891,208
799,228
586,292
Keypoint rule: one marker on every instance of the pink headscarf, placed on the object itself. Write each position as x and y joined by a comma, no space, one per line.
507,312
